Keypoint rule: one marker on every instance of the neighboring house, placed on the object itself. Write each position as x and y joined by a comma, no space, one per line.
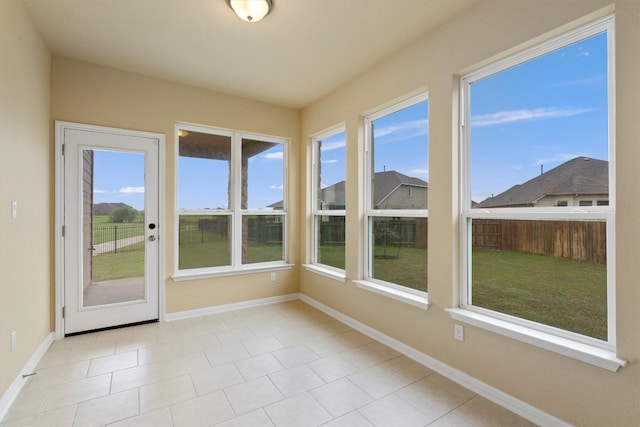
392,190
582,181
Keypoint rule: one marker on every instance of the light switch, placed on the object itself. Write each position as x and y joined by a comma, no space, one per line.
14,209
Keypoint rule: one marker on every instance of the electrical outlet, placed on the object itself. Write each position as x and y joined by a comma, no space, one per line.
458,332
13,340
272,276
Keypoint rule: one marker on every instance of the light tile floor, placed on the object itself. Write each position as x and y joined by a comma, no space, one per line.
284,364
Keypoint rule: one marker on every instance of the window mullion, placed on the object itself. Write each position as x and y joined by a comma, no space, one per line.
236,200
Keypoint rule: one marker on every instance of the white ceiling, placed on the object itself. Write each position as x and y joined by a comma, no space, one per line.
300,52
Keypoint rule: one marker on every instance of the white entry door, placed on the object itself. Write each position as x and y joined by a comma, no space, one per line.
111,205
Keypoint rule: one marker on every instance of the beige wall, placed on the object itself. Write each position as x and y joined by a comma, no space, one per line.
97,95
80,92
25,176
568,389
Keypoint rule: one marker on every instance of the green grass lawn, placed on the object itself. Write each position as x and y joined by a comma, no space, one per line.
564,293
559,292
404,266
121,265
400,265
129,261
332,255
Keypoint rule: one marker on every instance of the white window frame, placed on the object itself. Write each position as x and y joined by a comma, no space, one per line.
235,212
316,213
598,352
392,290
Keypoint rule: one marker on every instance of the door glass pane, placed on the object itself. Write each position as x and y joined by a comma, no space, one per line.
113,241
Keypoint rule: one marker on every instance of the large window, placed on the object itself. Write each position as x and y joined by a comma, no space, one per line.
396,201
537,150
230,201
328,195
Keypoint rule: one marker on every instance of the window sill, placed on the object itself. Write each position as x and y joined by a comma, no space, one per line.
593,355
396,294
183,276
338,275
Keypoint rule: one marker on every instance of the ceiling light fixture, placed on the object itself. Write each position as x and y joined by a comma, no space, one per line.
251,10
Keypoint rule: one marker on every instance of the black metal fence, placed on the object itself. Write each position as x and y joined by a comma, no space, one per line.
117,238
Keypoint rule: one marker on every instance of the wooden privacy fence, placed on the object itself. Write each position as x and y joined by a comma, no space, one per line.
579,240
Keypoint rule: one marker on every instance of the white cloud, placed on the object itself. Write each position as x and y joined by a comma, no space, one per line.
581,82
97,191
131,190
404,130
330,161
334,145
276,187
514,116
560,157
277,155
582,52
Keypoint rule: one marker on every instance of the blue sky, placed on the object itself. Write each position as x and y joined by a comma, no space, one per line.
119,178
541,113
401,141
333,159
544,112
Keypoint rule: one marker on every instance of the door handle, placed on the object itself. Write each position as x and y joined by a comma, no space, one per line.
152,238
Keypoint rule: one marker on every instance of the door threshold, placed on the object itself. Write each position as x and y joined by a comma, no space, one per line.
108,328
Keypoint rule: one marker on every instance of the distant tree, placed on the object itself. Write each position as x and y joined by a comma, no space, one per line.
385,234
123,214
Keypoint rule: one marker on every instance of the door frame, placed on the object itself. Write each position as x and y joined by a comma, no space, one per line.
60,127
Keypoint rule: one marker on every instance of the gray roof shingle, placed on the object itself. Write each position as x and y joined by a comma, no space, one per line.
384,182
581,175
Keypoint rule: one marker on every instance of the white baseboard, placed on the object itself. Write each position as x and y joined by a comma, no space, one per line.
505,400
169,317
16,386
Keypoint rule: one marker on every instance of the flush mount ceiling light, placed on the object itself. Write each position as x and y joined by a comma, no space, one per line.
251,10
